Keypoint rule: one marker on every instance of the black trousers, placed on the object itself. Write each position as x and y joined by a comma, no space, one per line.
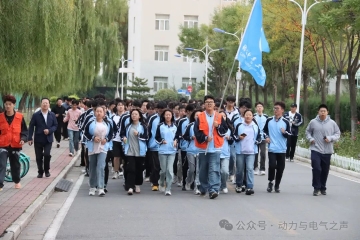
83,155
262,150
64,130
148,164
276,167
320,164
175,163
185,167
57,133
14,165
155,168
109,157
134,171
291,146
42,153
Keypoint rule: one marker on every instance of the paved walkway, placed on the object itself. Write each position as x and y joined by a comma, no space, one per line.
13,202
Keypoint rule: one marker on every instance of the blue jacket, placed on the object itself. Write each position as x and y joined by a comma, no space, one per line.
142,136
239,129
183,122
166,133
89,134
38,122
294,122
261,120
188,136
225,150
152,126
272,130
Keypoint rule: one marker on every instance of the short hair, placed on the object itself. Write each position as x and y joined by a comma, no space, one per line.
181,106
150,106
88,103
137,103
161,105
145,100
257,103
209,97
190,108
112,102
100,96
245,103
192,101
183,100
162,117
281,104
59,99
101,102
45,98
66,98
192,116
230,99
128,103
323,106
9,98
248,110
76,102
217,104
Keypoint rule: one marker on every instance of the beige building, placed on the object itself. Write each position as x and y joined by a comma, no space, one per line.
153,39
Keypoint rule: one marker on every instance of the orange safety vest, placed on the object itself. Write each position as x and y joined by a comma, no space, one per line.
10,134
204,127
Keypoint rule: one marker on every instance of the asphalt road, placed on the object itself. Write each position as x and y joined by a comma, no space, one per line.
292,214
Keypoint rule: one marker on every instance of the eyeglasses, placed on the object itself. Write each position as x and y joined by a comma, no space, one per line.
209,102
276,108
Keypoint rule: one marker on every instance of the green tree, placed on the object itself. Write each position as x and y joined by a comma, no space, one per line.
201,94
165,94
139,89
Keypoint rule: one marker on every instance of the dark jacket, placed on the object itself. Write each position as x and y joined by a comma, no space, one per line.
294,122
38,122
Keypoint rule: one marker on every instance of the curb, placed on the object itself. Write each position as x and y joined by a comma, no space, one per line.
332,168
19,225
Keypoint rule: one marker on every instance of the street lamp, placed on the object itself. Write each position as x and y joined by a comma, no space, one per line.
238,75
190,60
304,13
208,51
123,61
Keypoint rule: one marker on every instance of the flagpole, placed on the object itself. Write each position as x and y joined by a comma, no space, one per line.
227,83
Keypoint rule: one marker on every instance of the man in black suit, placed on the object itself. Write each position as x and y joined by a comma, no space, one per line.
45,124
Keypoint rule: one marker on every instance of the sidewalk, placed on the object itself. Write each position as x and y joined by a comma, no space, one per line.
14,202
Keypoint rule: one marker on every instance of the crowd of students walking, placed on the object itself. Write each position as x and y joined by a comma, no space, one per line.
198,145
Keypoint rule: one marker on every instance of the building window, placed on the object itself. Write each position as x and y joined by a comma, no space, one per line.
161,53
185,82
162,22
160,83
191,21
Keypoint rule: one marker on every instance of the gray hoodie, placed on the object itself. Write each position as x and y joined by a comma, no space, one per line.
317,130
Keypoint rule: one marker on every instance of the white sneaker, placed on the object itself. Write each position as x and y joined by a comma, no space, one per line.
179,184
287,159
188,187
115,175
71,155
262,173
167,193
161,189
174,180
234,180
197,192
225,190
101,192
256,171
231,178
130,191
121,174
137,188
92,191
147,179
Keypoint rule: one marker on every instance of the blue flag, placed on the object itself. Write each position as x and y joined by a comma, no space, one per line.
253,43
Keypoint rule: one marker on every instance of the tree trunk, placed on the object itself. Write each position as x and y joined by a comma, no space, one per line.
284,83
265,88
276,75
256,92
244,88
251,85
305,97
37,102
337,97
22,102
353,107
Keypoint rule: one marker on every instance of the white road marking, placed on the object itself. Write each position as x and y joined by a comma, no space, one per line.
60,216
330,172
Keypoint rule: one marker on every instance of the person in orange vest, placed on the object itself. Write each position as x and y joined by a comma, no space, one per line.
209,129
13,134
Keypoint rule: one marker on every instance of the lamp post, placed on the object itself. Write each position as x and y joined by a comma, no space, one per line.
238,74
123,61
208,51
304,13
190,60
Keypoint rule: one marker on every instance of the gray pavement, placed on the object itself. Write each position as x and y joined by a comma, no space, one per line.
292,214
